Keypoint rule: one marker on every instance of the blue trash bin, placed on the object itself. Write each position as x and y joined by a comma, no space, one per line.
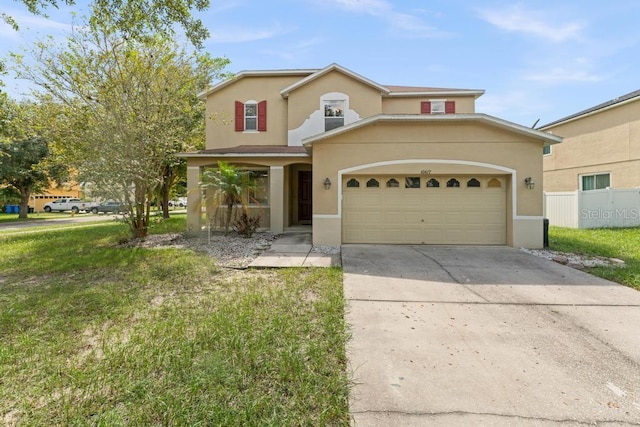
10,208
15,209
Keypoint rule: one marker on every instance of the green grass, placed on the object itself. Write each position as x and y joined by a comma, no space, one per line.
622,243
13,217
96,334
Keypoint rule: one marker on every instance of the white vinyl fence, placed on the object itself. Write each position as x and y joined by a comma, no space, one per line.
594,208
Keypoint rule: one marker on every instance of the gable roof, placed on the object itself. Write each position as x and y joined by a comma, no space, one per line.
545,137
629,97
431,91
255,73
311,74
333,67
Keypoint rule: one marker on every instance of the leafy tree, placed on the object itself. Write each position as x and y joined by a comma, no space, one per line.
228,186
26,164
139,106
20,168
135,19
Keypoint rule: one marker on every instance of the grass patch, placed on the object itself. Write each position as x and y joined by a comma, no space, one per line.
95,334
13,217
622,243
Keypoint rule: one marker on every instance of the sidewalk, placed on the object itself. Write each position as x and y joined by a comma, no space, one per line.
295,250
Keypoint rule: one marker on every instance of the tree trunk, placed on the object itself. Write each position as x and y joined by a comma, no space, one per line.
228,220
164,191
25,193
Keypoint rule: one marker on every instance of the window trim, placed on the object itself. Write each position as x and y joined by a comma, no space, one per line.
594,175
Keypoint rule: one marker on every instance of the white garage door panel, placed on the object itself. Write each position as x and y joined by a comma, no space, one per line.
460,215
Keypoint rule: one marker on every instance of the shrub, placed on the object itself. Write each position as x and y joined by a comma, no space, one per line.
246,225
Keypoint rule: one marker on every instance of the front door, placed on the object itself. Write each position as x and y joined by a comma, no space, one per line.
304,197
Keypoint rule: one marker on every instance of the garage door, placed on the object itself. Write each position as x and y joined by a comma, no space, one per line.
424,210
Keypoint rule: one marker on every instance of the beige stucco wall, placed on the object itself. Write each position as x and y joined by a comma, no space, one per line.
452,142
608,141
364,99
411,105
220,128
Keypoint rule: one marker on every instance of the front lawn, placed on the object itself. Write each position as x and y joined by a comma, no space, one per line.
621,243
92,333
13,217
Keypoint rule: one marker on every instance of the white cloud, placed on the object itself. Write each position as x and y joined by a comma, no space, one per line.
517,18
30,23
400,24
294,52
558,75
412,26
527,104
237,34
373,7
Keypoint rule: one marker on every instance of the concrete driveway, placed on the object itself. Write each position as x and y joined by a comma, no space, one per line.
487,336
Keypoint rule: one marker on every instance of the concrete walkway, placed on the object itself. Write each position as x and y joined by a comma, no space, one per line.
295,250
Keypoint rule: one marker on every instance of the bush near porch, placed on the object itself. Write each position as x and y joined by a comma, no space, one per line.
622,243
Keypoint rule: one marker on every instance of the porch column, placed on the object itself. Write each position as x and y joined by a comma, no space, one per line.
194,200
276,198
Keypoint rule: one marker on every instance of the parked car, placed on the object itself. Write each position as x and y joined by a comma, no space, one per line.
69,204
179,202
110,206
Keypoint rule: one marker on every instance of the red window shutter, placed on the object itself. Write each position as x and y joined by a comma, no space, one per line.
262,116
450,107
239,116
425,107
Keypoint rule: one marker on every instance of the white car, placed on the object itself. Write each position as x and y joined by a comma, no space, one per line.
180,202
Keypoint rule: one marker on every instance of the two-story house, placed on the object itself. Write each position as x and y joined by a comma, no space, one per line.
601,148
370,163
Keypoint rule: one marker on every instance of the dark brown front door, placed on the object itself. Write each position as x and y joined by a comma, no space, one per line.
304,197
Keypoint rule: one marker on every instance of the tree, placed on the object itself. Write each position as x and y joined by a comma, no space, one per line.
230,187
20,168
135,19
26,164
138,99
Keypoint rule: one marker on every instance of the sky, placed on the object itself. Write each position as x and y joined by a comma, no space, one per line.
536,60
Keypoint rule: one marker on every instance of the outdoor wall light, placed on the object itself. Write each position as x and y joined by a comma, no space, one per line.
327,183
528,181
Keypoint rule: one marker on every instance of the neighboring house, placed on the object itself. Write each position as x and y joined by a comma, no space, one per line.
591,180
38,200
369,163
601,148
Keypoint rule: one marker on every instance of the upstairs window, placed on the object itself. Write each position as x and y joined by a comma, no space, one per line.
333,114
438,106
251,116
546,150
596,182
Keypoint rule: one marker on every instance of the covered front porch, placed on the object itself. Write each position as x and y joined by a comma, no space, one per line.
283,194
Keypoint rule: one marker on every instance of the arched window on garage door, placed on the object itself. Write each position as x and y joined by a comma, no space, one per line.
433,183
353,183
473,183
453,183
373,183
393,183
494,183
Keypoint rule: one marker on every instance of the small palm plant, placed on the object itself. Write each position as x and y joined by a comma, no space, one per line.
229,184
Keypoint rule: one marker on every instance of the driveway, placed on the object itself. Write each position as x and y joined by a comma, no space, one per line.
445,335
